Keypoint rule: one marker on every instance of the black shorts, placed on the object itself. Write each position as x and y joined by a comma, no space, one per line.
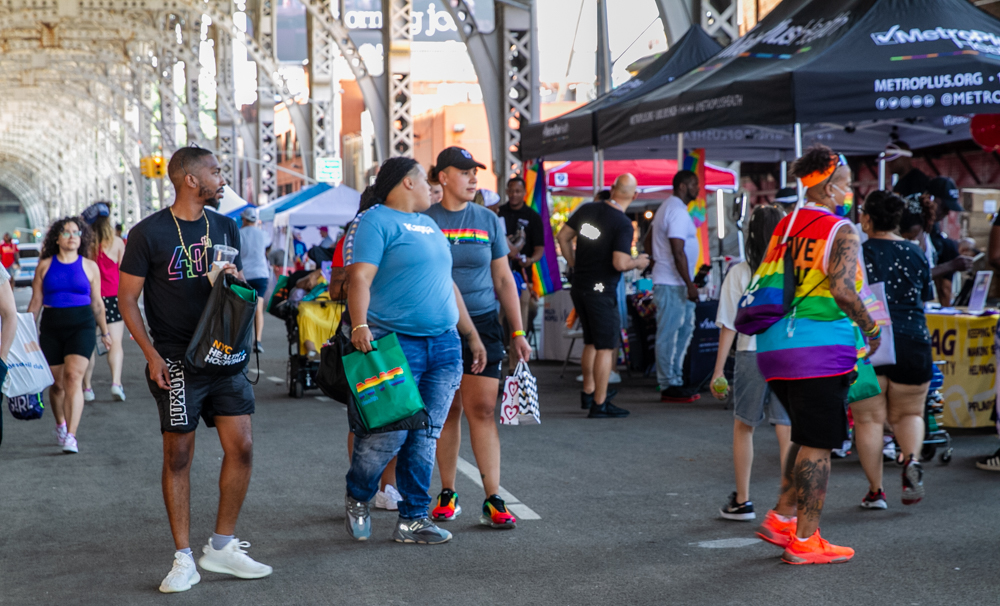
817,409
914,362
111,313
260,285
191,396
598,313
491,333
65,331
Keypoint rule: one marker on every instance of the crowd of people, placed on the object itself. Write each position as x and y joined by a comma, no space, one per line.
429,259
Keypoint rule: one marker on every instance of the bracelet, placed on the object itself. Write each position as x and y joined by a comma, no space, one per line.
874,333
517,333
358,326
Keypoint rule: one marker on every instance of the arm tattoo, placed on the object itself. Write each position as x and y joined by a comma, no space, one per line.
843,266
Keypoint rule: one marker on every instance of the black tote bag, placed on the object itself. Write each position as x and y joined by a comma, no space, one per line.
223,340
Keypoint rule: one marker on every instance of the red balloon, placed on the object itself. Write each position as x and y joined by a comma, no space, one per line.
985,130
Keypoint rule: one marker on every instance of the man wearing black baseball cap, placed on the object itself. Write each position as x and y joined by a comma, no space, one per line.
943,192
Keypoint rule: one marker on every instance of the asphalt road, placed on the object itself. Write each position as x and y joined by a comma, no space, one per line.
627,513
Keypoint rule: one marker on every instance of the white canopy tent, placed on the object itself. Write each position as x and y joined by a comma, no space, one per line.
230,201
333,208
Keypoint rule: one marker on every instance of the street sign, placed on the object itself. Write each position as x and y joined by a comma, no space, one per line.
329,170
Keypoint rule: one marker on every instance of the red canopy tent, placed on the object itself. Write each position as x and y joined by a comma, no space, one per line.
655,177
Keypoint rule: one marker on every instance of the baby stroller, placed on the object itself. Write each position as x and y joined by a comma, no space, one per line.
935,436
301,368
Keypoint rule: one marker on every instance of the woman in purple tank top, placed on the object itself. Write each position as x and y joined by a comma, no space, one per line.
68,287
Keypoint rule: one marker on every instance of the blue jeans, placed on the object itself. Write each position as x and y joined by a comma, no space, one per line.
436,364
674,327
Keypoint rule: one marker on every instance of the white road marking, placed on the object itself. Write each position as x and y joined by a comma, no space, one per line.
519,509
726,543
323,399
276,379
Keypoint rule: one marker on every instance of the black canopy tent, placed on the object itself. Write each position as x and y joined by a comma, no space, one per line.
850,71
576,130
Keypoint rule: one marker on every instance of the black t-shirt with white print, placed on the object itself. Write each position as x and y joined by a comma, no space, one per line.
176,288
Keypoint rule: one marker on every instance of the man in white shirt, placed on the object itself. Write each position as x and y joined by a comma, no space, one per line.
675,252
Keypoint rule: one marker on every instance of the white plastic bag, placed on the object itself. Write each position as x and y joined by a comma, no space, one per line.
509,404
28,371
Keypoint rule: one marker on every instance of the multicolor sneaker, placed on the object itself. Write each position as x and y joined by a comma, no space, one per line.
815,550
447,506
495,514
60,433
874,500
775,531
913,482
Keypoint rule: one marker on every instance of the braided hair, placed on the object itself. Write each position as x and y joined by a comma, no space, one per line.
390,174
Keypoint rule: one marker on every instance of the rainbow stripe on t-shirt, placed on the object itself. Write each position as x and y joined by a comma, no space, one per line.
467,236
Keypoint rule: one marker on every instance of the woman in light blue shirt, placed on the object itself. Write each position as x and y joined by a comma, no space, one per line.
399,276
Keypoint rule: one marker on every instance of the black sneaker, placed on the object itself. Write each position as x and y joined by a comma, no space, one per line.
606,411
874,500
586,399
913,482
737,511
990,463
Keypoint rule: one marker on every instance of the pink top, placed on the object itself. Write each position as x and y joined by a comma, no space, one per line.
109,274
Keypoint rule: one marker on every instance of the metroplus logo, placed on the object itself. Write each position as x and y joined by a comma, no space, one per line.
972,39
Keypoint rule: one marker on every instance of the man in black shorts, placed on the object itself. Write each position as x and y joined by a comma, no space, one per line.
168,257
603,251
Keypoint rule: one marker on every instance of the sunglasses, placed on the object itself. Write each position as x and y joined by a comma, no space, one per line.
71,234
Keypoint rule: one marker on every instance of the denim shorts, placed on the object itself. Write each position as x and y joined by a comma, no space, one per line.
751,394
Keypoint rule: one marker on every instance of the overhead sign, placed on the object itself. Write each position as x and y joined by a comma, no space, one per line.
329,170
429,19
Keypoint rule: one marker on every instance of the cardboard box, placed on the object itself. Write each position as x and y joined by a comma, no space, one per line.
977,200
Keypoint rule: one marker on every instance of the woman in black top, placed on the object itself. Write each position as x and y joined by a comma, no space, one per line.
902,268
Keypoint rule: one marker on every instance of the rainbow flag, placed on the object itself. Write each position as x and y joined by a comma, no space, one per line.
694,161
545,276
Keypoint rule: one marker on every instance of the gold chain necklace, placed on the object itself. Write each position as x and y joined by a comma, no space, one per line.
206,241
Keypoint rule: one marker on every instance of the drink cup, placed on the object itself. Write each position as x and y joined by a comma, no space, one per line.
224,254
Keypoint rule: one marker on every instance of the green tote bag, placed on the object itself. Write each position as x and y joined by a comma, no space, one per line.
866,385
382,384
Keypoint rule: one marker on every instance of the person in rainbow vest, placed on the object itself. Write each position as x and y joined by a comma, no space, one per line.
809,357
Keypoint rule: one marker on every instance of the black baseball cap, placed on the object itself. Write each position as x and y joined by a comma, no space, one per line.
458,157
787,195
944,188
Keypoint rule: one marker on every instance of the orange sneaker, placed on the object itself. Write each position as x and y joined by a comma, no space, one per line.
815,550
776,532
447,506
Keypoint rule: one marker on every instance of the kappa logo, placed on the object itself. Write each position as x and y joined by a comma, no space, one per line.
420,229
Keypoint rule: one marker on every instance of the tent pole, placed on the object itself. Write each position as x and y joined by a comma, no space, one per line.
784,173
881,173
598,171
680,151
798,154
288,240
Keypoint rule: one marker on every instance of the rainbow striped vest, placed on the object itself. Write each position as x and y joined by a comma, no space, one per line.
816,339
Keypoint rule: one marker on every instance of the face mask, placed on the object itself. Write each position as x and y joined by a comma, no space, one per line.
844,209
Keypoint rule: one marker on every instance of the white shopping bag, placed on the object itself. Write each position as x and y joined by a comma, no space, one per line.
28,372
527,396
509,403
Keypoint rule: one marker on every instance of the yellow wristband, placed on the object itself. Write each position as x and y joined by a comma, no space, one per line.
517,333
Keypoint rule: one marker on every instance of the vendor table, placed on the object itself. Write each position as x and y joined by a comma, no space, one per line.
966,343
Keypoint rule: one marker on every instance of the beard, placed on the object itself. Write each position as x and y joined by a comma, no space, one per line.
210,197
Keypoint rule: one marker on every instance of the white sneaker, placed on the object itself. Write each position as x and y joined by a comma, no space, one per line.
183,574
88,395
232,559
614,377
389,499
60,432
117,393
70,445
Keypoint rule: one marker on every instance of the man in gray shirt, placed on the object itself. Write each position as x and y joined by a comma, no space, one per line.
255,268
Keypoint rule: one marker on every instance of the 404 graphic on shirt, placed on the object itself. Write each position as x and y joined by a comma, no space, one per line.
188,265
224,355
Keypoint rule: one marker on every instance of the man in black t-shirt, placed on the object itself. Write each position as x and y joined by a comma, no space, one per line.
899,161
603,251
944,193
525,238
168,259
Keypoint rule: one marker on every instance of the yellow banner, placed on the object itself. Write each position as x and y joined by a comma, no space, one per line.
966,344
